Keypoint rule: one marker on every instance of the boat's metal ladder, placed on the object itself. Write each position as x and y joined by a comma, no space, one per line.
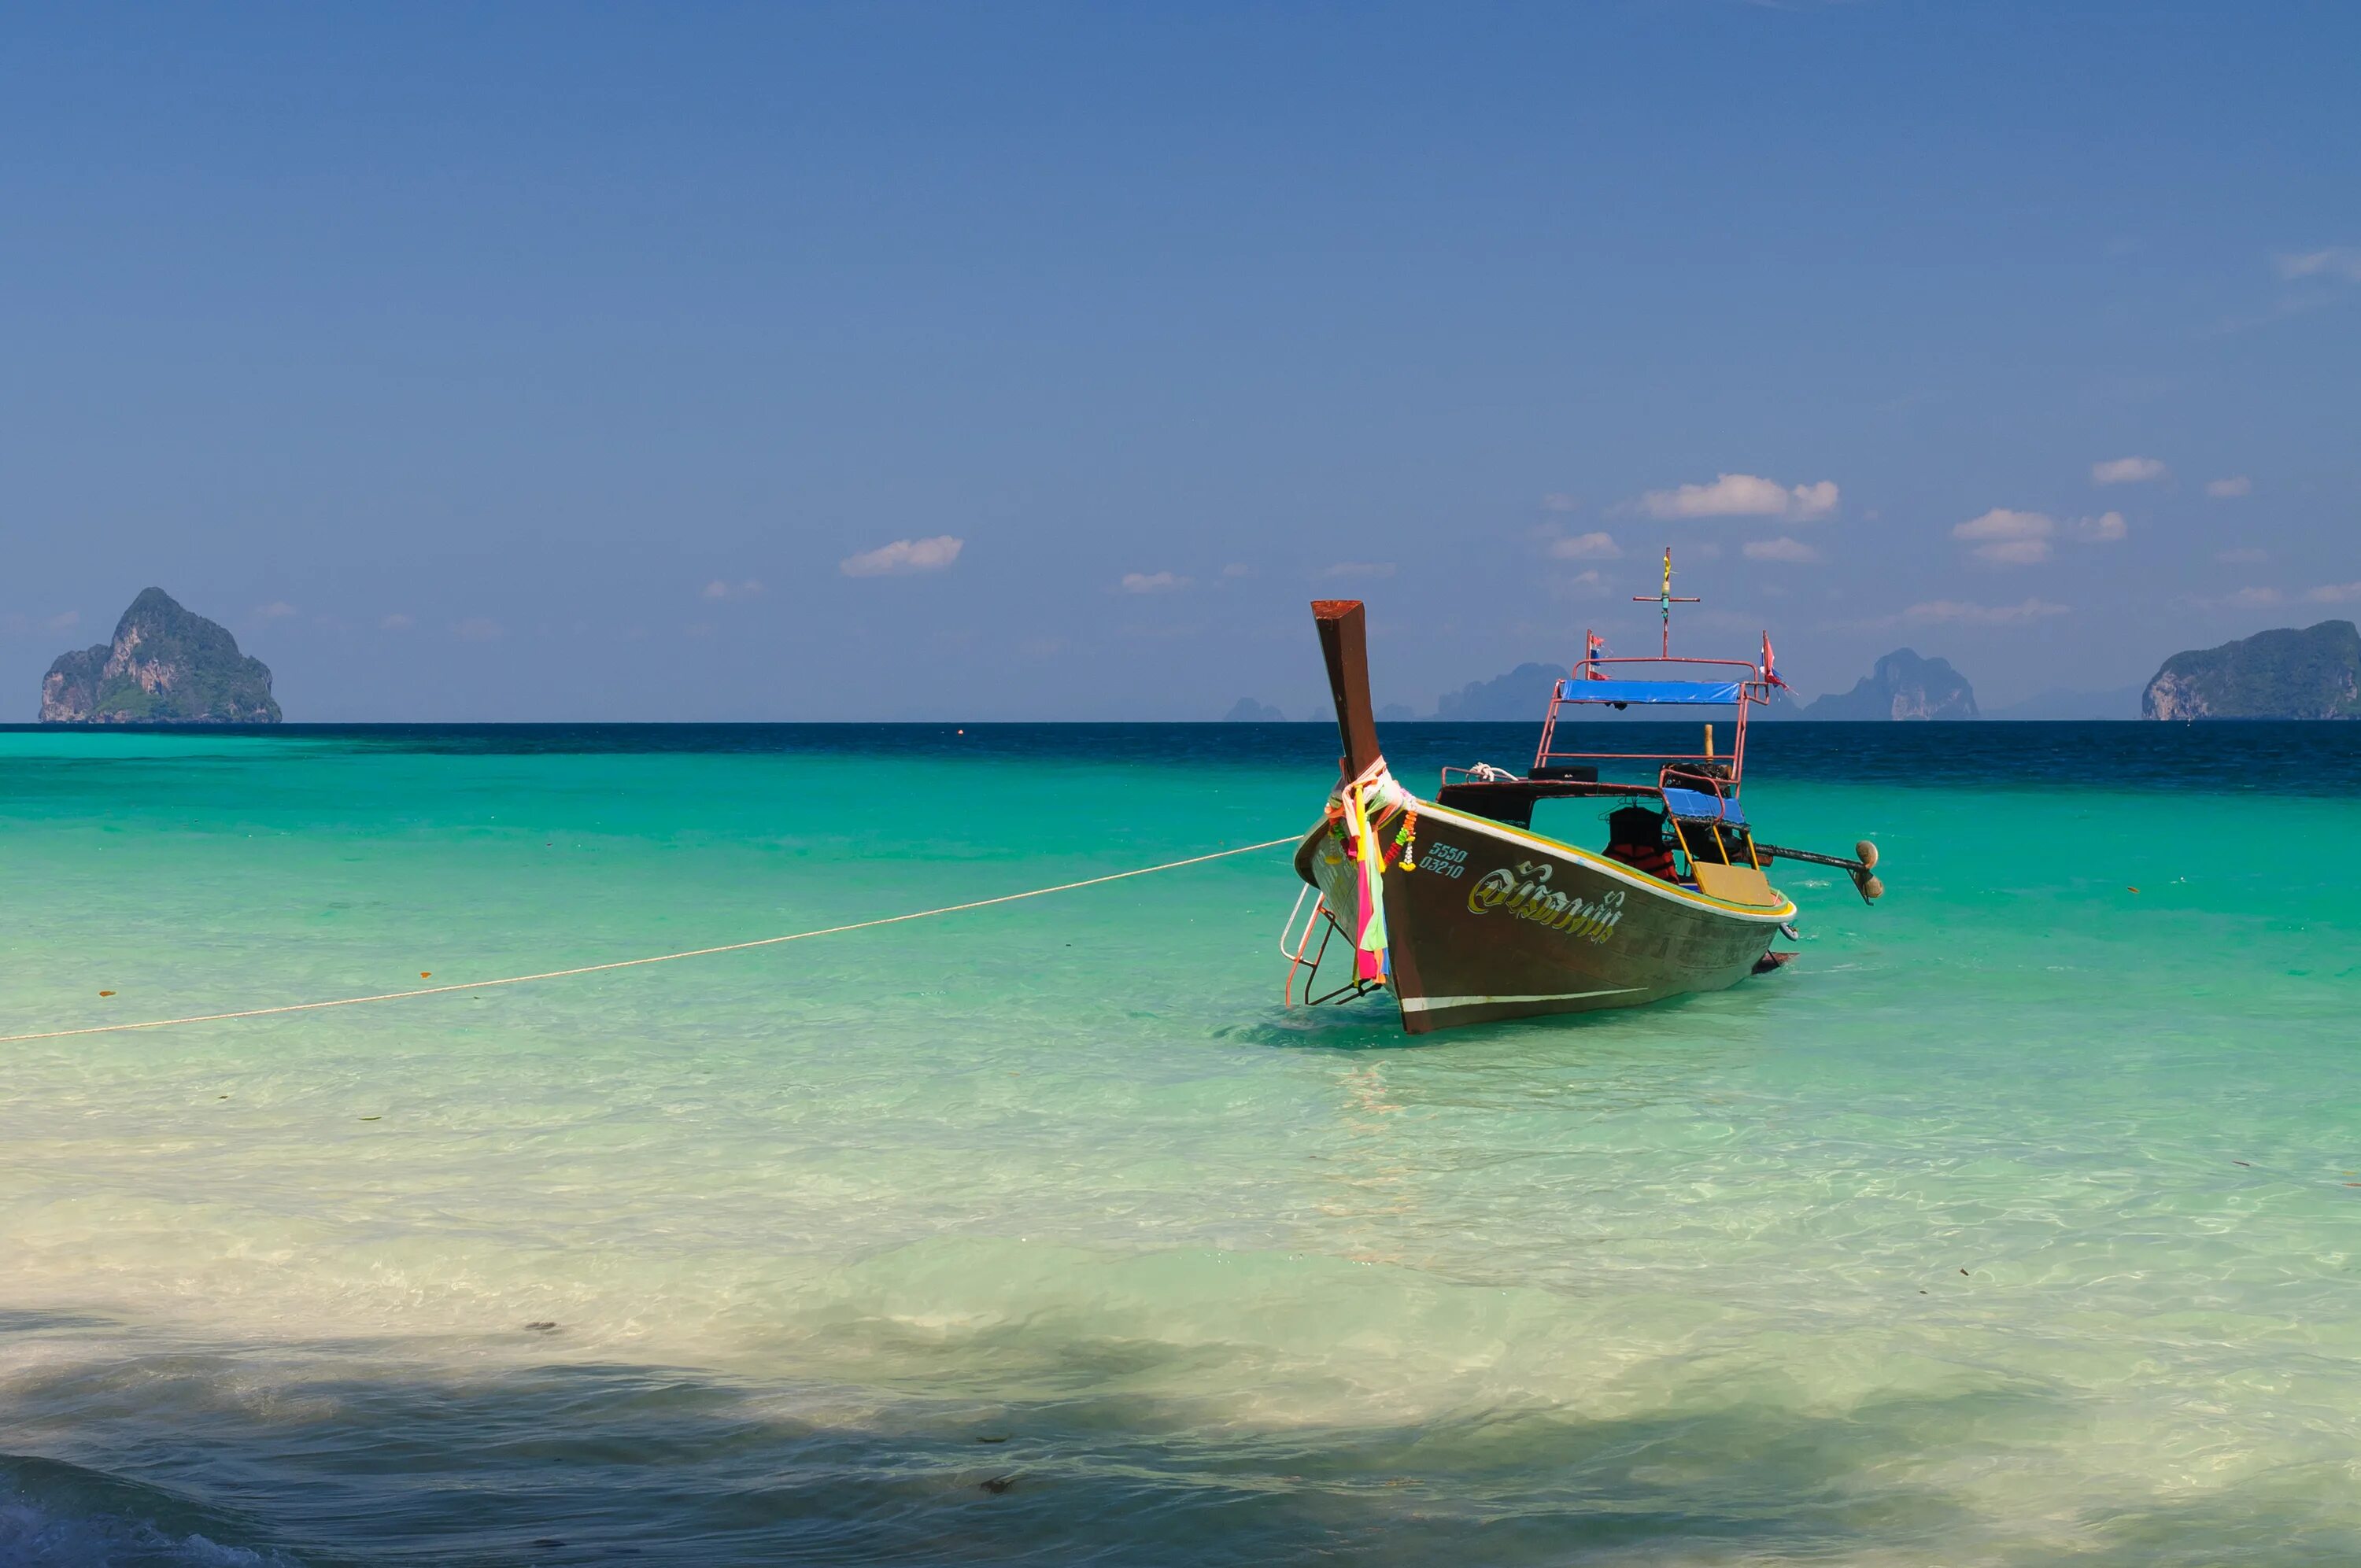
1323,917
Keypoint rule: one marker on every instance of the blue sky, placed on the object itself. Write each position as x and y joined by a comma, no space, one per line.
1011,361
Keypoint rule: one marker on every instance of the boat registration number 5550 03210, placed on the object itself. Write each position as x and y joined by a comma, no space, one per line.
1444,859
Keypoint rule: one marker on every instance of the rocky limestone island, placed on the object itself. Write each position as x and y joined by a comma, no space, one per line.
1903,686
1246,710
2284,674
165,666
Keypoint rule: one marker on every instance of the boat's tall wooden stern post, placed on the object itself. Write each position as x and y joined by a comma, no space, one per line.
1345,644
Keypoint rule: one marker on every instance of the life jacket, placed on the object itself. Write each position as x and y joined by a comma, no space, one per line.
1635,836
1652,858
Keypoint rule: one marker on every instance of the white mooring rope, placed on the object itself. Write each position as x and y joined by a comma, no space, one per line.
658,959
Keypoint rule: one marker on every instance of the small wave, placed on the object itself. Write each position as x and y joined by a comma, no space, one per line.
59,1515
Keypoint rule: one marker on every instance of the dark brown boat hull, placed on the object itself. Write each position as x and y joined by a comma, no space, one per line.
1493,922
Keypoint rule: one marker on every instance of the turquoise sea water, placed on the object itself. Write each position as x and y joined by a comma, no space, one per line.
2019,1221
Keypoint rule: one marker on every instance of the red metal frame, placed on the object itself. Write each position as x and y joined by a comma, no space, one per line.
1756,688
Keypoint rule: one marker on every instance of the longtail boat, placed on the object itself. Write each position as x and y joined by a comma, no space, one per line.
1466,915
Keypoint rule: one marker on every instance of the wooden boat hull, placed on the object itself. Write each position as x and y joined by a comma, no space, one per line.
1493,922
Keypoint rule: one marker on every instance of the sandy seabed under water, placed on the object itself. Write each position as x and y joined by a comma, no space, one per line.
2016,1222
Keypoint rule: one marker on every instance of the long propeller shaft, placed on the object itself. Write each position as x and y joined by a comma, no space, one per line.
1859,869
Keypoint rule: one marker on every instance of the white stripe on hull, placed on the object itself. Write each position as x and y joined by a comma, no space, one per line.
1442,1003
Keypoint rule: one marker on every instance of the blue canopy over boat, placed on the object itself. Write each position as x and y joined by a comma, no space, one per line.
1696,804
1684,693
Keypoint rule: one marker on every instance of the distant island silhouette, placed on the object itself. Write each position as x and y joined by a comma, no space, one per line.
2312,673
1903,686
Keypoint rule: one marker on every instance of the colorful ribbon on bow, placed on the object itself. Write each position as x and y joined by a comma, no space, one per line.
1374,788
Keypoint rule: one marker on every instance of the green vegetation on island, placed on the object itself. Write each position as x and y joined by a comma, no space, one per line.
2281,674
166,666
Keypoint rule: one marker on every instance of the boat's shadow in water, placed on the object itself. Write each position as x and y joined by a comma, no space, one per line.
1372,1023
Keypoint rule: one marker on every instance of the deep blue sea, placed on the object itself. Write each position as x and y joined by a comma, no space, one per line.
2017,1222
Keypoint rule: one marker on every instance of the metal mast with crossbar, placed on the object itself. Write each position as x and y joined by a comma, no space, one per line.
1665,599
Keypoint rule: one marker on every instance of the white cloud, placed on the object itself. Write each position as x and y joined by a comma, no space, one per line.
1237,569
2235,485
1813,500
2334,593
397,622
1743,495
1780,549
1360,569
477,629
1952,612
2107,528
2002,523
1558,500
1152,582
2337,261
904,556
1585,547
277,609
2014,551
2247,558
2127,471
717,589
2256,598
64,621
2008,538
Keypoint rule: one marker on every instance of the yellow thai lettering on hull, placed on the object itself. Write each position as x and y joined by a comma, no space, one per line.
1525,894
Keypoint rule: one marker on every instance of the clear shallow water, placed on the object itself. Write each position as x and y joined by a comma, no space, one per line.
2011,1222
